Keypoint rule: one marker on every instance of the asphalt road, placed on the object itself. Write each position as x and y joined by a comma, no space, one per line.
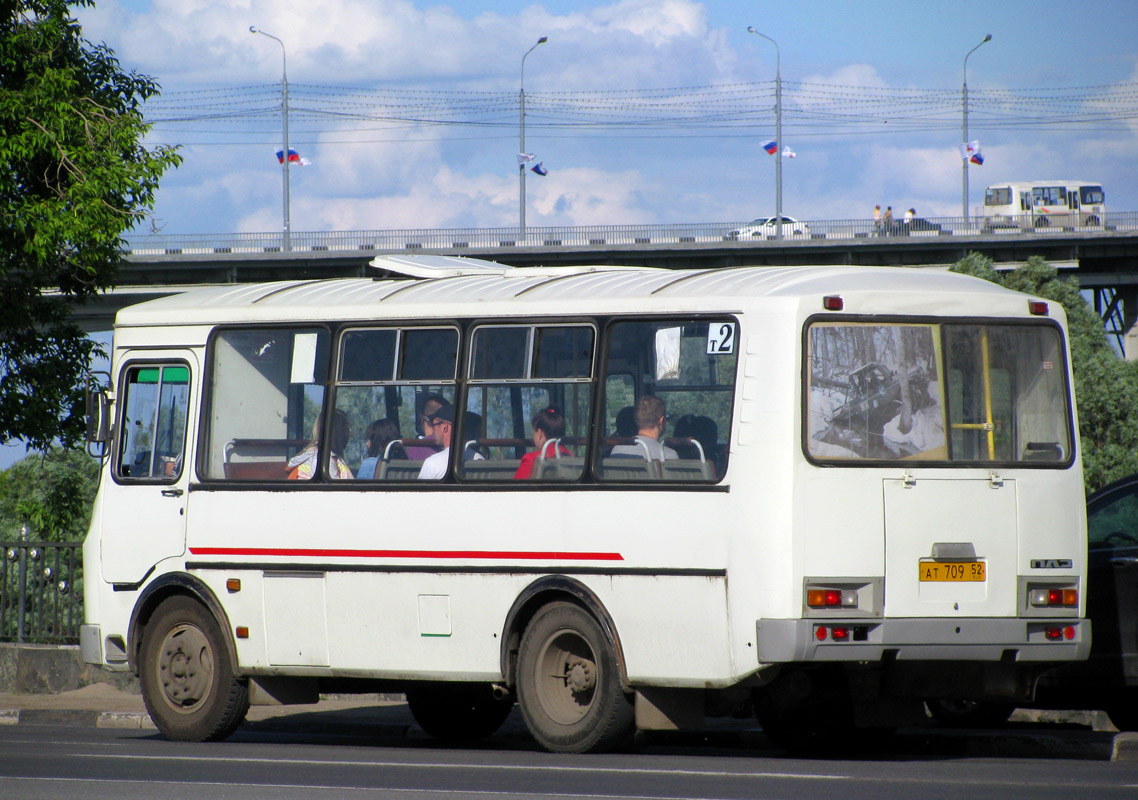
283,762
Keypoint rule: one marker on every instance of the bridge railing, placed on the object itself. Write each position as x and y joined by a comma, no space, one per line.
458,240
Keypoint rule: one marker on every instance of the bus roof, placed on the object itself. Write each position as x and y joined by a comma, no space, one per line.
555,290
1053,182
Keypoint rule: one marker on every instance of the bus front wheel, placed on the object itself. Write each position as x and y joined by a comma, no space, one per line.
569,685
187,676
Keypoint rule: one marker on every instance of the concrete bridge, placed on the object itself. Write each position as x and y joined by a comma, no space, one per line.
1103,258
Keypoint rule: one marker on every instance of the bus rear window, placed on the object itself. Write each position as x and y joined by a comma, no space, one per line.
923,392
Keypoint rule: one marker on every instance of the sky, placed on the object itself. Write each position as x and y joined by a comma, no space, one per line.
381,175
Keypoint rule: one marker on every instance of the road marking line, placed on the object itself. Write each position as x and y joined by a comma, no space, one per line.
544,768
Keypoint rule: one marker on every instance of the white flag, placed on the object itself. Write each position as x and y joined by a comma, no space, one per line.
969,149
525,158
788,153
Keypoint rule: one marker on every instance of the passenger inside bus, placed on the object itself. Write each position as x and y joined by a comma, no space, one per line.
700,429
380,433
439,425
626,422
431,404
548,428
303,465
651,419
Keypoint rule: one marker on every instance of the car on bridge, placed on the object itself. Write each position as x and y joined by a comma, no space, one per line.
1108,679
767,228
914,226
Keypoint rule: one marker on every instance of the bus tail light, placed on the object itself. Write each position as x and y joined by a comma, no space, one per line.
1056,633
1037,307
833,302
1052,597
841,633
817,597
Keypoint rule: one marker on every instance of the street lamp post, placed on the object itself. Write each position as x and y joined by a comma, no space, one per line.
965,158
777,131
287,244
522,144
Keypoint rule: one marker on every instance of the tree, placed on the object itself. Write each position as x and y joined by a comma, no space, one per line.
52,493
1106,386
74,177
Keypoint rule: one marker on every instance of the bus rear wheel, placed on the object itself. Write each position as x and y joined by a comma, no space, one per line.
569,685
187,676
458,712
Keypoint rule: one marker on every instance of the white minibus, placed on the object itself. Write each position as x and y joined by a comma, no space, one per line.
1043,204
623,498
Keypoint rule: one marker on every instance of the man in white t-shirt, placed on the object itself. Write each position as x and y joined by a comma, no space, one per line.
439,425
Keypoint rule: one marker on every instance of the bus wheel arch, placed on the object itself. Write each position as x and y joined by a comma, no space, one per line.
540,593
164,588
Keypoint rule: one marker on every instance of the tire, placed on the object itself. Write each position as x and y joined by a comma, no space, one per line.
1042,222
970,713
1093,222
458,712
1124,712
187,676
569,685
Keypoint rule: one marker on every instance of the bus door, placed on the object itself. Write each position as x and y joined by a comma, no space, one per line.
143,507
950,547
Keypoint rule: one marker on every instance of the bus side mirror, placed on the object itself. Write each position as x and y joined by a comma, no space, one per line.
98,407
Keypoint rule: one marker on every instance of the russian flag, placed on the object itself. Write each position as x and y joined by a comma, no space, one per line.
771,147
977,158
539,168
293,158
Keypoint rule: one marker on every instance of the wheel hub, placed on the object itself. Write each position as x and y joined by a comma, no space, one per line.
185,667
580,675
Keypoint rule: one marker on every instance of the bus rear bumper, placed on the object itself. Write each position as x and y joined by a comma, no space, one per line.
924,639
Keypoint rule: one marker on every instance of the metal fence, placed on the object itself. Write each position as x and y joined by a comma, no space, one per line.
41,592
457,240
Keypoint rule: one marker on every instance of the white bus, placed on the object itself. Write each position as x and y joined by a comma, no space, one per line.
842,491
1042,204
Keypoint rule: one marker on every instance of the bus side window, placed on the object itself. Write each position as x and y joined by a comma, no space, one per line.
386,378
266,395
671,420
516,373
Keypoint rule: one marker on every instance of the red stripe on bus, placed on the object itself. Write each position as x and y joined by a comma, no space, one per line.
471,554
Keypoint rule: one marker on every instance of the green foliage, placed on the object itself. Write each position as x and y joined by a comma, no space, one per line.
52,493
1106,387
74,177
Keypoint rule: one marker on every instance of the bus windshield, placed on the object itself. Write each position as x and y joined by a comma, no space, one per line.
998,196
950,392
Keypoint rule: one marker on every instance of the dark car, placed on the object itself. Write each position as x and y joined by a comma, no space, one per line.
916,226
1108,679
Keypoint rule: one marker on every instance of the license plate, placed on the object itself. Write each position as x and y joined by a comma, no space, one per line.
952,571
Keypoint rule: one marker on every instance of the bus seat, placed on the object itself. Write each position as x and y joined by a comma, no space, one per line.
403,469
687,469
490,469
256,470
629,468
565,468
